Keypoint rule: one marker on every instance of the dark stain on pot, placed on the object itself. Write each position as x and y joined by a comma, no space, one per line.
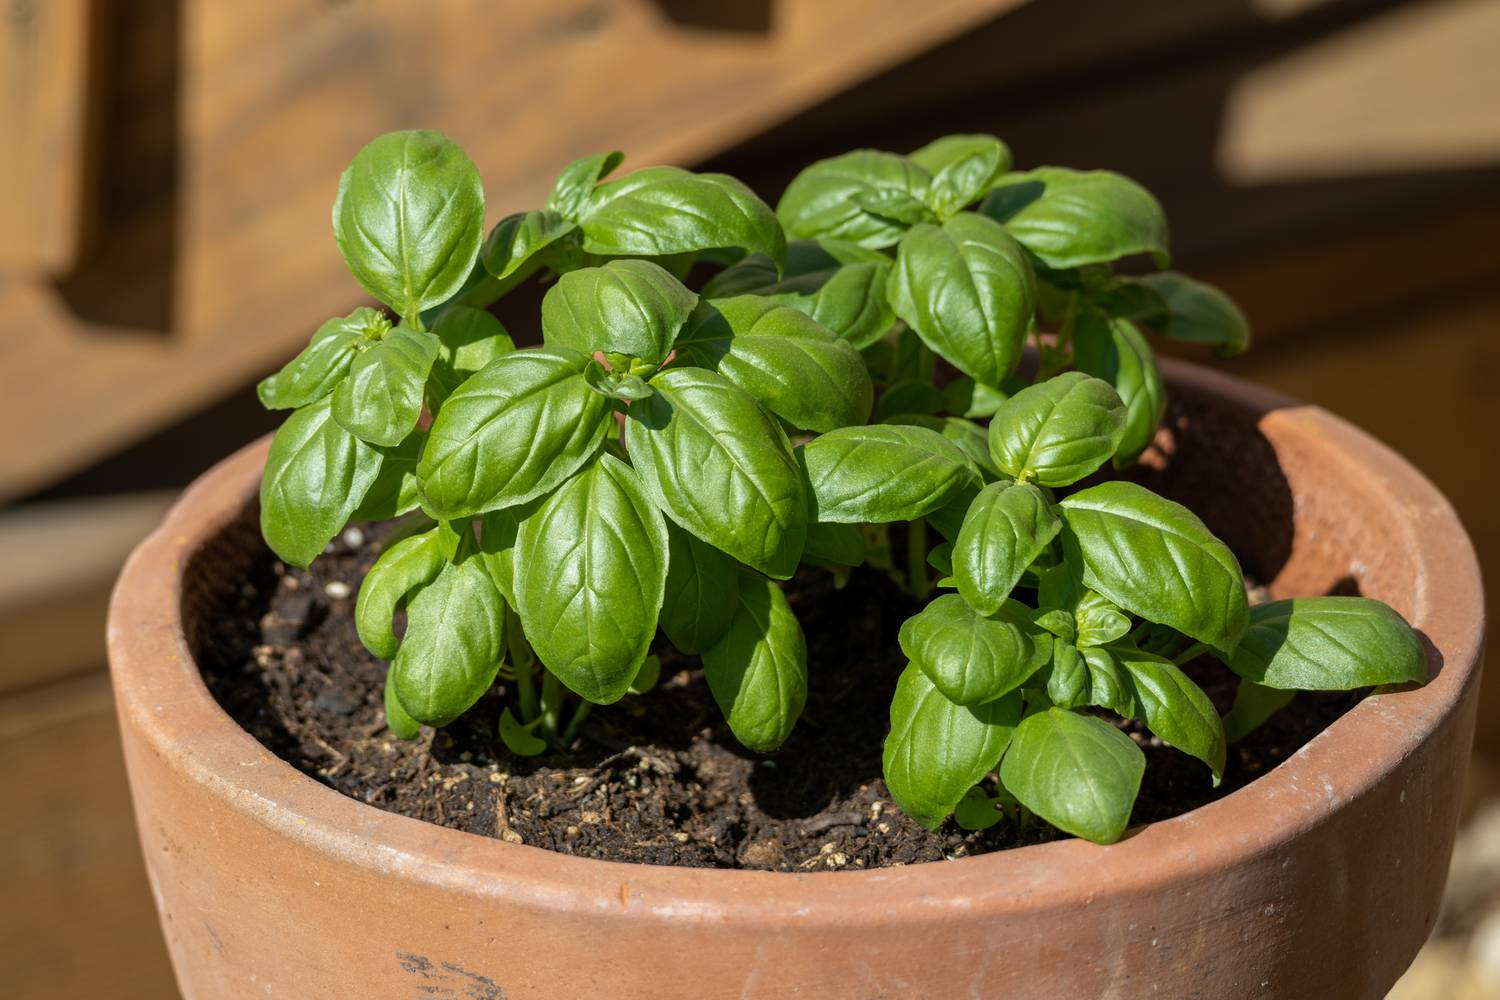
656,779
448,980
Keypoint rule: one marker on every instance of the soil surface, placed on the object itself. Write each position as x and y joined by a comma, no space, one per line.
656,778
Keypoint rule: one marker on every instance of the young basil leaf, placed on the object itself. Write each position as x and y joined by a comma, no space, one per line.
1155,559
1114,350
976,810
758,670
1199,313
1109,683
882,473
381,399
395,490
409,564
591,570
1069,218
938,750
801,372
324,362
967,289
895,206
316,475
518,238
1058,622
1254,704
630,307
971,658
824,199
1328,644
401,725
518,738
702,592
963,168
468,340
1067,676
570,195
409,218
1057,431
939,557
1007,527
667,210
454,641
720,466
513,431
1099,622
1175,708
1077,772
648,676
852,303
614,383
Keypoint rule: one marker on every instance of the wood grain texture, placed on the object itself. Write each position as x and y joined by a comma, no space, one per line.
273,99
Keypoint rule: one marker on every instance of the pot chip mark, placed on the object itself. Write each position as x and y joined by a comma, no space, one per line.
449,980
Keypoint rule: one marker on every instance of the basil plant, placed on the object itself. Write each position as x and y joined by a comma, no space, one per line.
669,455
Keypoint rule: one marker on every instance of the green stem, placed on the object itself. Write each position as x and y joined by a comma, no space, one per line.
523,661
917,578
1189,653
579,714
552,696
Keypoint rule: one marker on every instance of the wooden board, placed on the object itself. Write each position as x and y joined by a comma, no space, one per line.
219,255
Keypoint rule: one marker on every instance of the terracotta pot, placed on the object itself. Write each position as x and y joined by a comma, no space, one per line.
1321,879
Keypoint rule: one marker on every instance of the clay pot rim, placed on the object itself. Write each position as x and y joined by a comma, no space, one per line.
160,691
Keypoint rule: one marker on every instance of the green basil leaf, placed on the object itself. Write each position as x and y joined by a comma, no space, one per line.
840,285
1114,350
648,676
324,362
895,206
591,570
1057,431
411,563
1155,559
720,466
454,641
513,431
801,372
702,592
409,219
977,811
1099,621
1058,622
395,490
948,519
1007,527
967,289
1199,313
570,195
667,210
824,199
883,472
1254,704
1069,218
381,399
835,544
1128,298
971,439
468,340
1174,708
518,738
1328,644
971,658
1077,772
909,402
316,475
852,303
1109,683
963,168
758,670
938,750
518,238
615,383
401,725
1067,676
629,307
498,530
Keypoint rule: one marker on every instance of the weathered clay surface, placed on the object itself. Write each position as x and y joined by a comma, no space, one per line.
1319,880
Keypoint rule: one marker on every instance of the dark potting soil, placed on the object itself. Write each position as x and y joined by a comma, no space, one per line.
658,778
